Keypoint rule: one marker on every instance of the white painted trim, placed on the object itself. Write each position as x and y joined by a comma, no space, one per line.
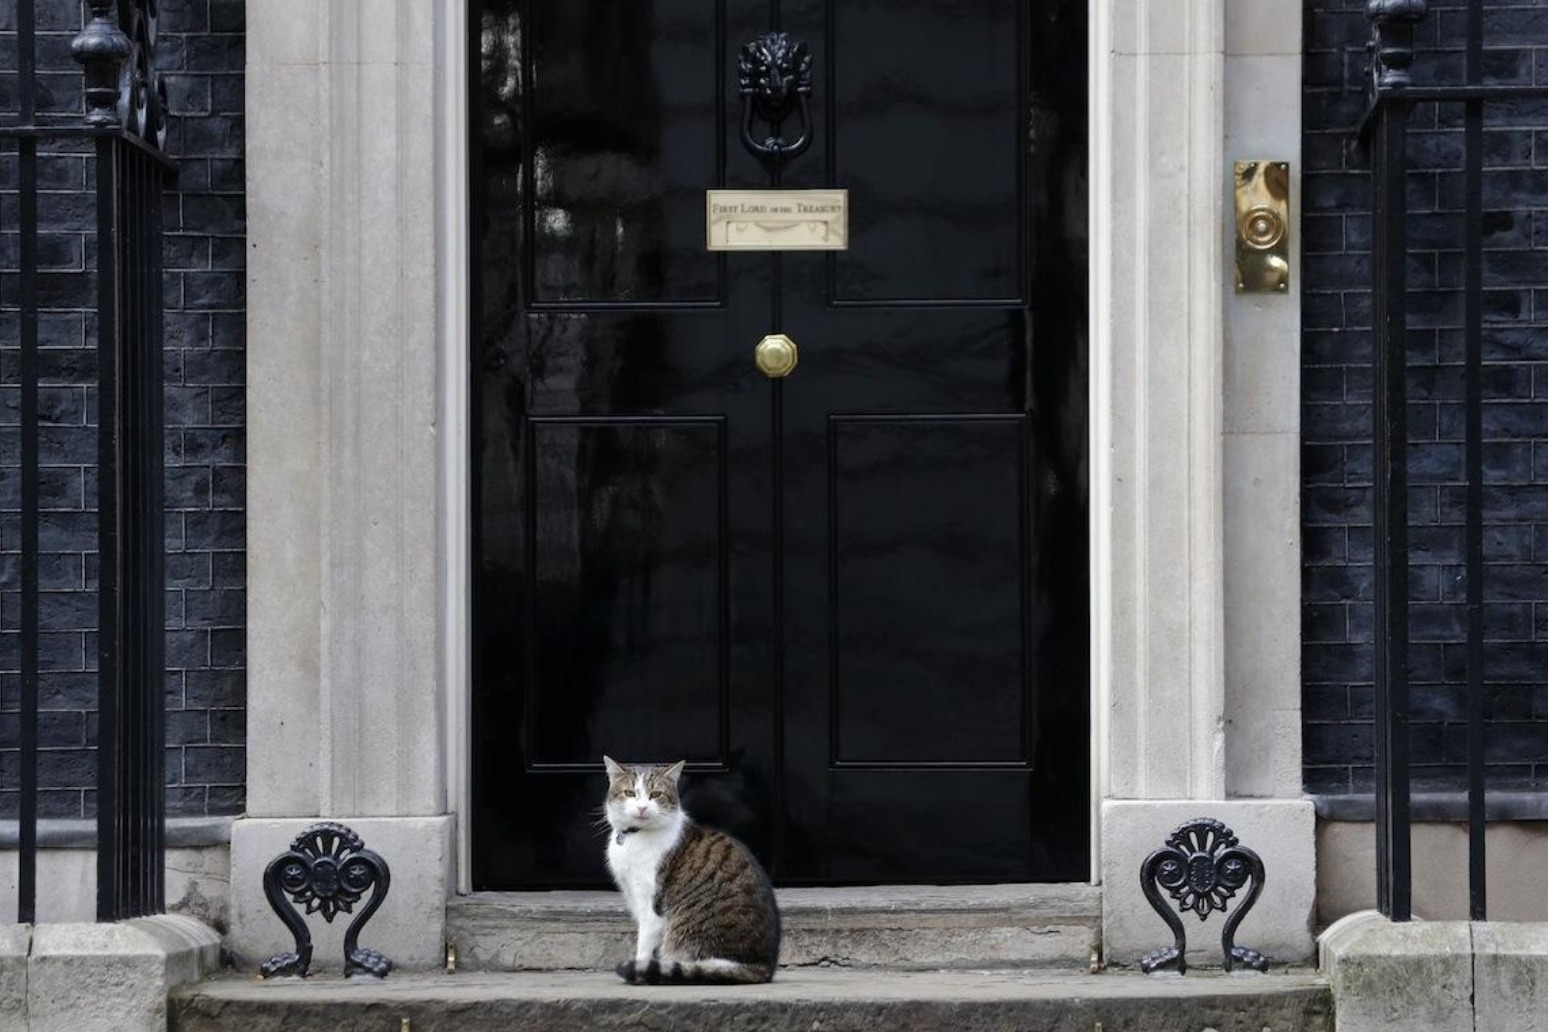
1099,398
453,418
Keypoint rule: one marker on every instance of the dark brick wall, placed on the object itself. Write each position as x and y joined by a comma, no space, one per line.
201,53
1338,576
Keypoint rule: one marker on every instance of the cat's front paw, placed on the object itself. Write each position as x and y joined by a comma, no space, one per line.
636,972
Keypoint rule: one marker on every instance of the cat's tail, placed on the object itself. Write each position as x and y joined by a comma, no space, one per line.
695,972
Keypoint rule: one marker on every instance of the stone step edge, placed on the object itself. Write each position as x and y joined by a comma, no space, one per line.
963,1001
1060,950
1081,905
857,921
916,943
1050,928
790,985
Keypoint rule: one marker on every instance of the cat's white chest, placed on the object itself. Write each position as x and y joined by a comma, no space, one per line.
635,864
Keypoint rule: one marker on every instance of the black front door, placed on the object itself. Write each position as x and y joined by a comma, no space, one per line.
854,599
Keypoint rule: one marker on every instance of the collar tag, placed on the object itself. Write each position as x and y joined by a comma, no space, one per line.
625,831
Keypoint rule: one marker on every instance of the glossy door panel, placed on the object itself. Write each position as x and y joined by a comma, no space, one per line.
631,513
927,520
964,825
853,598
924,130
622,125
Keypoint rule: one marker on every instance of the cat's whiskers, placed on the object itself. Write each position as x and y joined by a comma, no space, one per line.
600,823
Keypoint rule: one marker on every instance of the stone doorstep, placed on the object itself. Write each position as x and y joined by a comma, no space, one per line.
796,1001
920,927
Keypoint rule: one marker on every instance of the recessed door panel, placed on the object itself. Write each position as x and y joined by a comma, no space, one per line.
940,826
630,558
929,143
622,124
928,545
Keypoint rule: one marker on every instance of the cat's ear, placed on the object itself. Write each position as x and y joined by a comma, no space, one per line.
615,769
674,772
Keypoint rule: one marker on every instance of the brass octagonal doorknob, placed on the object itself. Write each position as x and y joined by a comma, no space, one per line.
775,355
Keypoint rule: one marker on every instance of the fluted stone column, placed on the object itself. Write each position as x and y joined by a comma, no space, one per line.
1195,542
346,499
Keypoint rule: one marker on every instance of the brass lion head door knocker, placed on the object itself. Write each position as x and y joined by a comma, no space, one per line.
775,75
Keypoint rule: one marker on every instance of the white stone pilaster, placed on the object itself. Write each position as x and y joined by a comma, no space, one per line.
1263,426
347,515
1195,471
344,547
287,196
1157,132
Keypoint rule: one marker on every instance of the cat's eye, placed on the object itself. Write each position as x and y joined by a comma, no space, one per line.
629,793
658,795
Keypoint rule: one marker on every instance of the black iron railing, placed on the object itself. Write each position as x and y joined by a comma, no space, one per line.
122,130
1385,131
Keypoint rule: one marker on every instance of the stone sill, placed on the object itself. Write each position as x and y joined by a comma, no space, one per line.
1438,806
182,833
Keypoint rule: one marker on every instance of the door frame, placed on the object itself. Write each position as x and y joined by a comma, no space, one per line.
455,408
1156,432
356,487
455,52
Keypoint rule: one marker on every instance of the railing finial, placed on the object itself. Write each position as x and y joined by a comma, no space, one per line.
1392,41
101,48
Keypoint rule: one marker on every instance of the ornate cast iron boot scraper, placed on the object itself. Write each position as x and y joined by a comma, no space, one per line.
1202,866
328,870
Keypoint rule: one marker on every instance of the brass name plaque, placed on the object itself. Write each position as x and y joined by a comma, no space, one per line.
776,220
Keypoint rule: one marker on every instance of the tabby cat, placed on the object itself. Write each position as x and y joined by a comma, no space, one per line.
704,908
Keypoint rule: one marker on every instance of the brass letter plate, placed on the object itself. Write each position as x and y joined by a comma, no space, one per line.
776,220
